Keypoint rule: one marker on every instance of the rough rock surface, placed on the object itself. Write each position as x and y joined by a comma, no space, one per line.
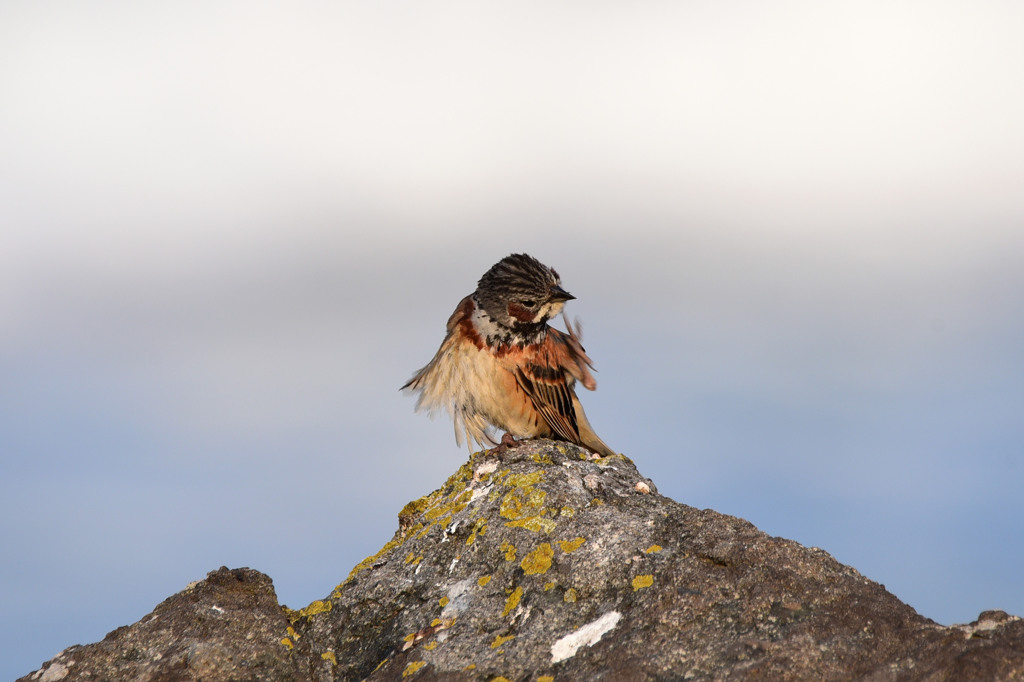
544,565
227,627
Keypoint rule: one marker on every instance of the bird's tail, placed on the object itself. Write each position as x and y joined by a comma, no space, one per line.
587,435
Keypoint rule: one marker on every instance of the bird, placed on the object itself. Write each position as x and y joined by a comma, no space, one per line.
502,366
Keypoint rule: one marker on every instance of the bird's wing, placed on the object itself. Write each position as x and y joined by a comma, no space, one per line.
459,320
550,389
547,374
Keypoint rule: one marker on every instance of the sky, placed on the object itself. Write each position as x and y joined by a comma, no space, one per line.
229,232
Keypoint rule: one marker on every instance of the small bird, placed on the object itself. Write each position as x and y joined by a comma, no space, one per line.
500,364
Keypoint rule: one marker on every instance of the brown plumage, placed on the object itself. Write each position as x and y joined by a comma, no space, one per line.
501,365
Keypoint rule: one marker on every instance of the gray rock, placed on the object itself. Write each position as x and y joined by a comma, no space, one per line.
227,627
546,565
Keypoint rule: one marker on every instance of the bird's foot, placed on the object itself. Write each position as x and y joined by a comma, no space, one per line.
508,442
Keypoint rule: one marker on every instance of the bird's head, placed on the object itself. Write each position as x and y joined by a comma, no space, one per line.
521,292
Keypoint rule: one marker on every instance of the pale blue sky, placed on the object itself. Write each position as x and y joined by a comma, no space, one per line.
230,232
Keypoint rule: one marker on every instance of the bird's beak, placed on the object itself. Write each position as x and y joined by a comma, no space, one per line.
557,293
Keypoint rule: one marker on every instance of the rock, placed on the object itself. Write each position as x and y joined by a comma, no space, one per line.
227,627
546,565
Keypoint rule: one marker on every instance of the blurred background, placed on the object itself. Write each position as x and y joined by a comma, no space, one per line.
230,231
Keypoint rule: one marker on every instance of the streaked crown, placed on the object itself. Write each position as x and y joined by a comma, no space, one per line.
520,292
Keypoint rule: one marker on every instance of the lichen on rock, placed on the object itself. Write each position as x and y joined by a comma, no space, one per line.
548,565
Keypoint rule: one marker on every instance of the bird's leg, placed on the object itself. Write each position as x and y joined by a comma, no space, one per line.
507,442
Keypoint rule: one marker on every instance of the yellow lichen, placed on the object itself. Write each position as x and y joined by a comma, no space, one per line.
479,528
445,508
409,637
439,506
413,509
483,580
652,549
430,646
570,596
319,606
501,679
570,546
568,512
499,640
545,678
287,642
522,501
443,601
512,602
535,523
525,480
642,581
596,502
371,560
434,623
538,561
509,549
549,586
413,667
329,656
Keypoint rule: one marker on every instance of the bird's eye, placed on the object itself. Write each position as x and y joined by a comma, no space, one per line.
528,303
